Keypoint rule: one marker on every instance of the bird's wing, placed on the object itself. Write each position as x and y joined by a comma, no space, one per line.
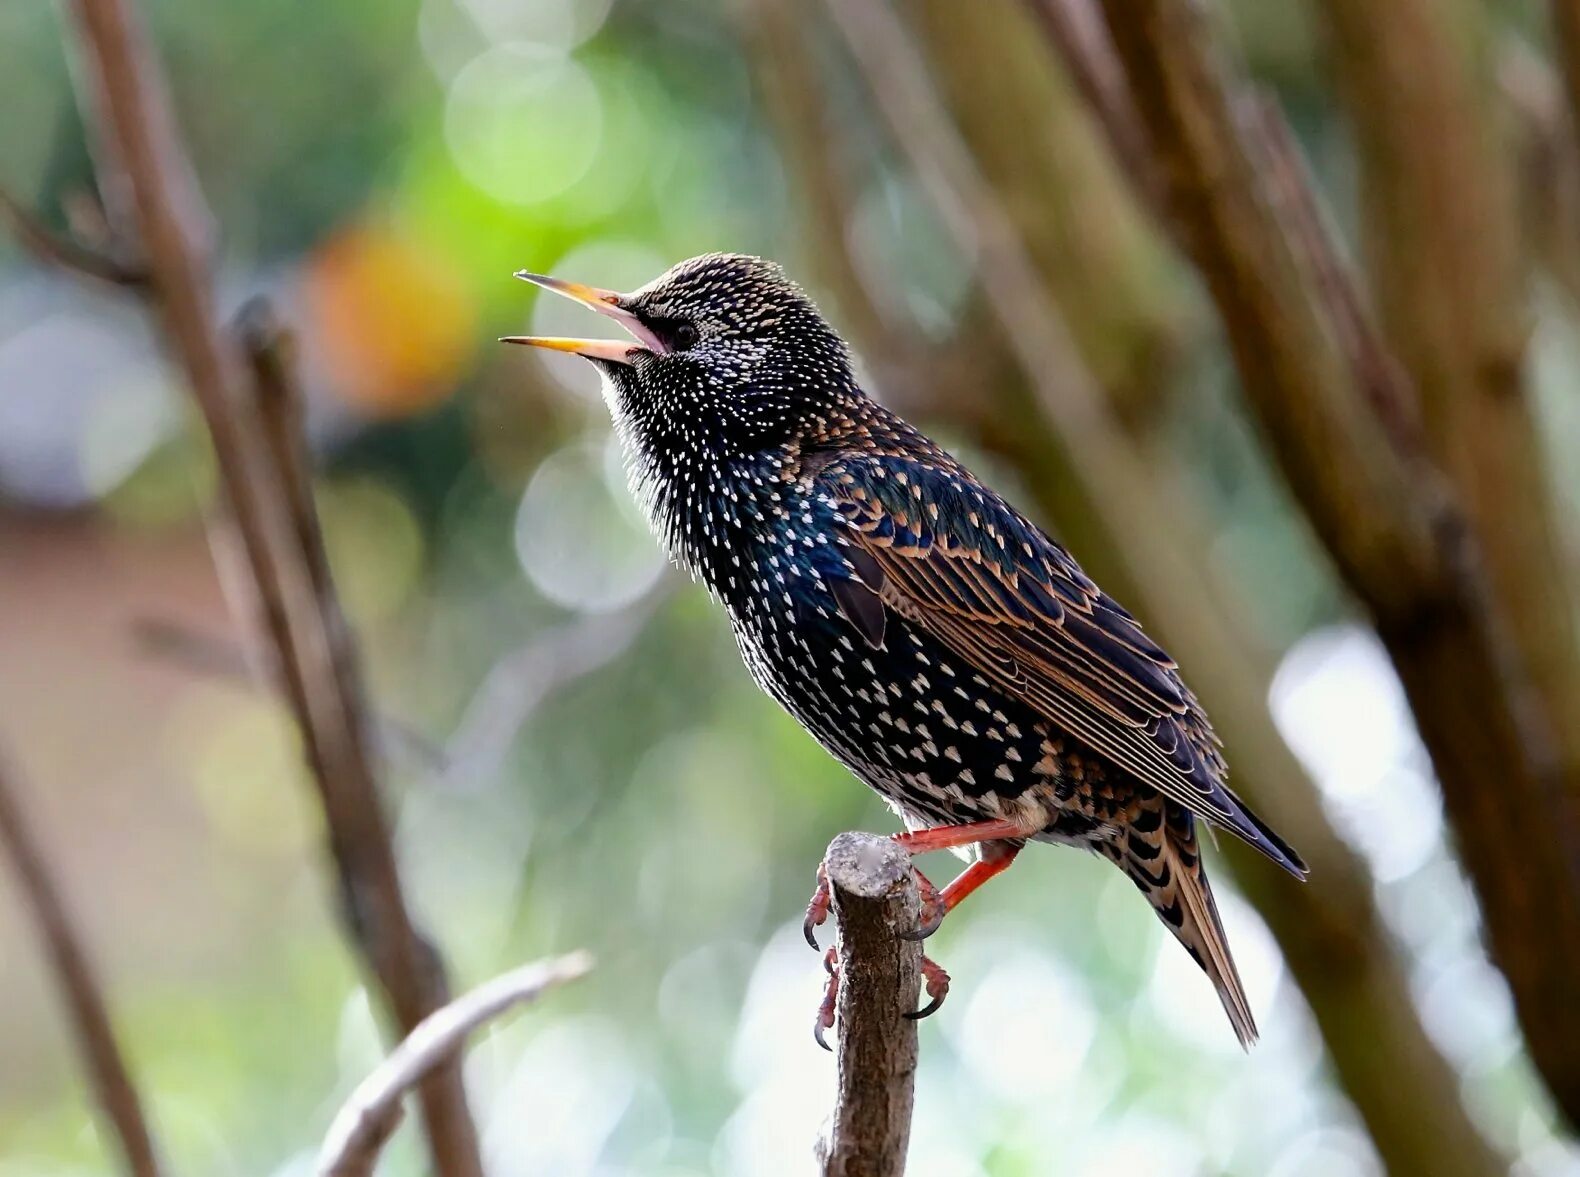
938,548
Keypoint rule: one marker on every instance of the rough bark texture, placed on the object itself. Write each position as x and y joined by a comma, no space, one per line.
875,897
1387,516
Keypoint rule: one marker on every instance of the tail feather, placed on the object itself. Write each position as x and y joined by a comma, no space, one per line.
1161,857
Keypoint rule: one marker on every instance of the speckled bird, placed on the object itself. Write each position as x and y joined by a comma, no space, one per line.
945,649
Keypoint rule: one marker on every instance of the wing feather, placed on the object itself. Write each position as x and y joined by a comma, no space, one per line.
953,557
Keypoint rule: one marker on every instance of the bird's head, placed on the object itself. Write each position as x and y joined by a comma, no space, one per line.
726,355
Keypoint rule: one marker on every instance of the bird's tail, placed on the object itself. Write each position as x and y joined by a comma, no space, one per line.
1159,852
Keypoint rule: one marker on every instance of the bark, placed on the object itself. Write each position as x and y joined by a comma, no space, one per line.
875,897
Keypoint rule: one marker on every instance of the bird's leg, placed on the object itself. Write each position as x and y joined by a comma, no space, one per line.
825,1011
995,861
950,837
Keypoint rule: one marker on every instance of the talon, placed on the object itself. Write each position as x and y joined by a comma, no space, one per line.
937,989
817,908
825,1011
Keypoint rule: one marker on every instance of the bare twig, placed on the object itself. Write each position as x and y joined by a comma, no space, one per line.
875,898
90,1019
58,249
148,184
370,1116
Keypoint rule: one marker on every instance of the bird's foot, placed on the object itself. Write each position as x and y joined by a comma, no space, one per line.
934,907
817,908
934,978
825,1011
937,982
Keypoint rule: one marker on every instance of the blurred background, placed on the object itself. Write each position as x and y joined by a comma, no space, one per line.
574,756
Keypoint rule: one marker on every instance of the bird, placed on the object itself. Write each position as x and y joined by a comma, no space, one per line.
944,648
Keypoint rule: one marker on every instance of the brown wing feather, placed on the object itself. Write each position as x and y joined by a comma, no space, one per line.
947,553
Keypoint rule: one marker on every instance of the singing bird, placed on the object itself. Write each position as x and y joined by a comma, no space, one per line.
945,649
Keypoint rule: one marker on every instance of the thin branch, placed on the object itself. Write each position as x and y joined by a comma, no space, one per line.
874,899
370,1116
1387,516
90,1019
148,183
63,250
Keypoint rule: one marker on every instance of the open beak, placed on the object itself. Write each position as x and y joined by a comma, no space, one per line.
605,302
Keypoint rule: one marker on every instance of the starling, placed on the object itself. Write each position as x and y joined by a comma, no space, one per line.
947,651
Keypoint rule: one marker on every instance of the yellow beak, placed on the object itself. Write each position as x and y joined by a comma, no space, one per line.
606,302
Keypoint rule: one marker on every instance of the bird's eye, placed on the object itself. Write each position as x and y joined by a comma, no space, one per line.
683,336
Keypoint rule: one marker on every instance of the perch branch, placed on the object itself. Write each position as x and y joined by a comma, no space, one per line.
149,186
370,1116
874,898
90,1018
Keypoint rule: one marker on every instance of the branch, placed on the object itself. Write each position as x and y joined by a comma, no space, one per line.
278,565
370,1116
63,250
1549,165
875,898
1387,517
107,1071
1443,250
1075,28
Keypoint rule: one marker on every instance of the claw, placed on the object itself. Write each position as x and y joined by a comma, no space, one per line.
817,908
937,989
825,1011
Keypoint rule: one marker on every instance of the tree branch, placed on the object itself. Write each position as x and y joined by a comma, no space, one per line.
1387,517
370,1116
874,899
279,566
1444,253
90,1018
1075,28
